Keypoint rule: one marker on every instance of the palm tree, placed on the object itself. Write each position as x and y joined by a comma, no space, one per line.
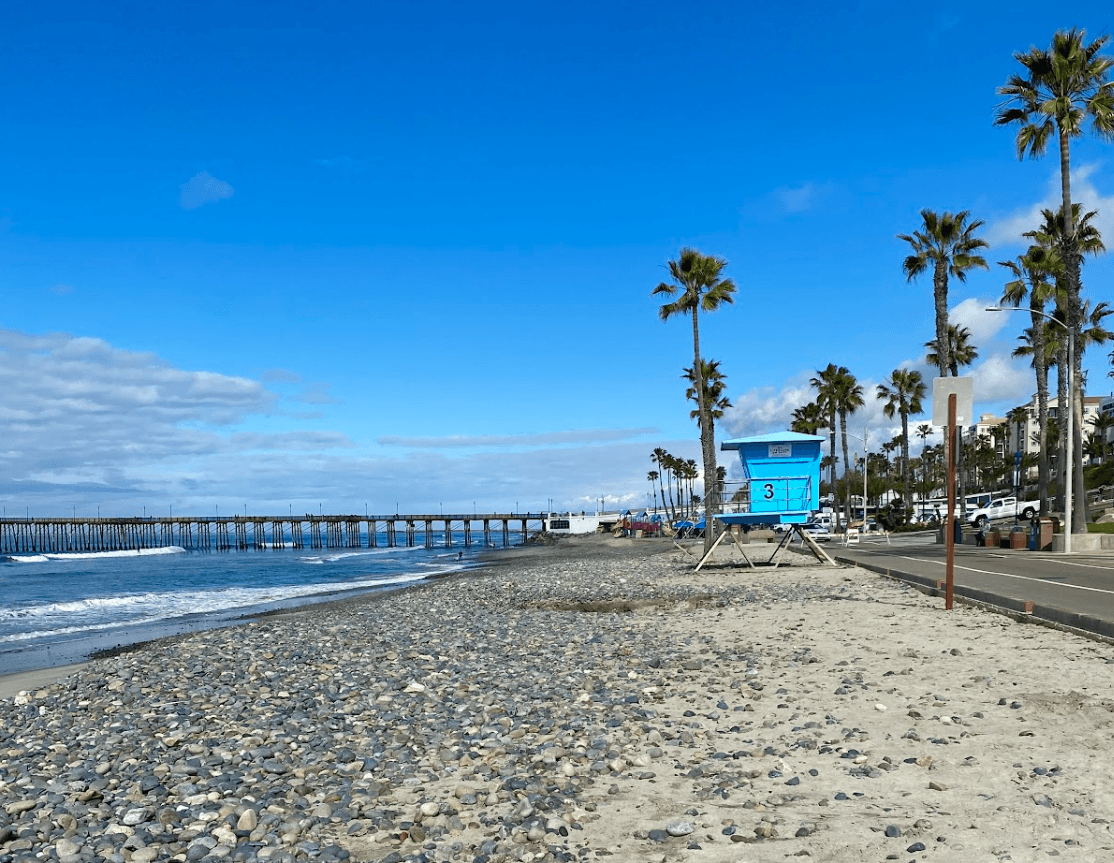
848,396
903,393
960,350
1055,354
948,244
1101,423
652,476
670,466
1063,87
699,280
658,457
1031,273
689,472
715,382
1049,238
924,432
808,419
826,383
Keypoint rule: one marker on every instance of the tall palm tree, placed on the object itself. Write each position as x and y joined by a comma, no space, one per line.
826,383
1031,273
1063,86
903,393
924,432
960,350
658,458
698,279
946,243
848,395
1049,237
808,419
715,383
1055,355
652,476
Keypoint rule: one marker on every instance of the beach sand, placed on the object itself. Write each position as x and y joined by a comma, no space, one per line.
11,684
592,700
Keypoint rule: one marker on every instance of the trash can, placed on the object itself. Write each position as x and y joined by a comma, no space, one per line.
1018,539
958,531
994,538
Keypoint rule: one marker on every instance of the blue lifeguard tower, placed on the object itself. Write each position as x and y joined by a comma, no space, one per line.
782,471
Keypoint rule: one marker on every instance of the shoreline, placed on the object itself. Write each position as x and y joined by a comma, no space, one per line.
594,699
21,659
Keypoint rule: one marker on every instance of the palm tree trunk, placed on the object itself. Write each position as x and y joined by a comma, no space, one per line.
1061,437
1072,267
1040,364
940,295
707,441
907,500
832,455
846,466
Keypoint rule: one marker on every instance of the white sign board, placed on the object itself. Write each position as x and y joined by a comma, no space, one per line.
942,388
781,450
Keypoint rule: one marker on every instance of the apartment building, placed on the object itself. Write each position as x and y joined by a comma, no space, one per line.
1023,427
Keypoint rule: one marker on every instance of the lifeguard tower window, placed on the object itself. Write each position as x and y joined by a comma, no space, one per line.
781,479
559,524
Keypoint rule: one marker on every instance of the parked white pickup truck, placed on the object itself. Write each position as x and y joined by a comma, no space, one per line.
1003,507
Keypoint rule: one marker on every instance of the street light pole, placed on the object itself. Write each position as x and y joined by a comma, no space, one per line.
1069,465
866,454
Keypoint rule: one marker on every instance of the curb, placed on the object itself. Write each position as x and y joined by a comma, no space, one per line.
1018,609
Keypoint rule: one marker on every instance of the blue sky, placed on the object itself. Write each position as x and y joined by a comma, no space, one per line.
401,255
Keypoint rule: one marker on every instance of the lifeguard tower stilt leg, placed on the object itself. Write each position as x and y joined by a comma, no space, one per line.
725,533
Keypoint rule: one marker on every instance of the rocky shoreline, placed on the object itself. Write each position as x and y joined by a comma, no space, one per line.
588,700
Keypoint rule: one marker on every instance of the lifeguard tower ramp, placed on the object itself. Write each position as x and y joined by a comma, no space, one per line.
781,472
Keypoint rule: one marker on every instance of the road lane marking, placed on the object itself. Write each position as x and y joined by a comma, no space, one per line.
1010,575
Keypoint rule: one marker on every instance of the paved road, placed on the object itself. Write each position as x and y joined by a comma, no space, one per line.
1081,584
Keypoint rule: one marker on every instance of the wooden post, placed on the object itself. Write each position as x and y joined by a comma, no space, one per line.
949,522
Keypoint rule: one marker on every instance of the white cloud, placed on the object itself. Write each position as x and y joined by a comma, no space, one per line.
85,424
1000,378
983,325
202,189
1008,230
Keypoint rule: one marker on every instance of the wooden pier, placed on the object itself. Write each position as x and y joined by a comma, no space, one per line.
243,532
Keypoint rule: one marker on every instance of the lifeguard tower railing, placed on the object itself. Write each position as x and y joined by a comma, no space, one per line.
774,494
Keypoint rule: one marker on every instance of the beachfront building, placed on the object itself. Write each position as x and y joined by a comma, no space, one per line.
986,427
1106,411
1023,425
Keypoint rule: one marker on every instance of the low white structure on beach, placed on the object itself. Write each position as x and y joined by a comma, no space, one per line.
569,523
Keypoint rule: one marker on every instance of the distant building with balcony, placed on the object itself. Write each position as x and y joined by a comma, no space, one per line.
985,426
1023,424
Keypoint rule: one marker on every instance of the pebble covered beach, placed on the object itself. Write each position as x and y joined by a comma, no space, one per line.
594,699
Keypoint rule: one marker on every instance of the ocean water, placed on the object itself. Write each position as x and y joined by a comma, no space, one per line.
58,608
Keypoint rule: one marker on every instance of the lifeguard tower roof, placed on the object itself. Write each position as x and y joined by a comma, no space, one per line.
783,470
772,437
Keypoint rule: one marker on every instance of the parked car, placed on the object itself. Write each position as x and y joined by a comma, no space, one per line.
817,531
